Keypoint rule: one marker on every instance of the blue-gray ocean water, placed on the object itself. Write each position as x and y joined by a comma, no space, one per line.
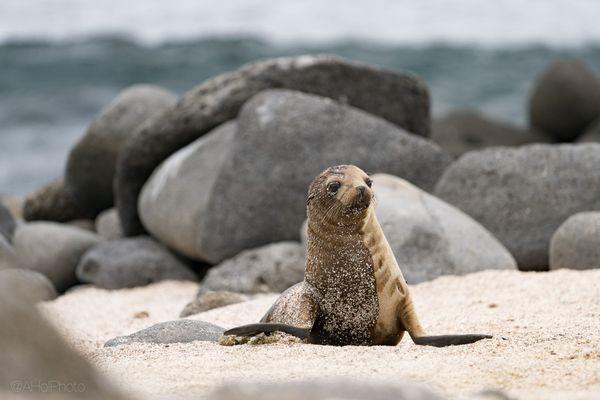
50,91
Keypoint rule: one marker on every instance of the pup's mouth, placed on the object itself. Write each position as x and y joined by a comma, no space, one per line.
361,201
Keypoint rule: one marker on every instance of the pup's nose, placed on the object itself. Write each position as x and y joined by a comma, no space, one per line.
361,190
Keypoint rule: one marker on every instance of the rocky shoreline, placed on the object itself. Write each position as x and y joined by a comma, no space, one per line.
210,190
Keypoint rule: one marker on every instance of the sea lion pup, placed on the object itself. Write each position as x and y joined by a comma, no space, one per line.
353,291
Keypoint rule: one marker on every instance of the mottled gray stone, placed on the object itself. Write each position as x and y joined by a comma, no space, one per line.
108,225
400,98
466,130
256,192
33,352
8,258
431,238
591,134
91,164
7,223
322,390
52,249
53,203
130,262
576,243
565,100
33,286
85,224
179,331
271,268
492,394
175,200
14,204
522,195
207,300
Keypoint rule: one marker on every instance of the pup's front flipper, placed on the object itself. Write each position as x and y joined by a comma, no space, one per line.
294,313
268,327
410,322
449,340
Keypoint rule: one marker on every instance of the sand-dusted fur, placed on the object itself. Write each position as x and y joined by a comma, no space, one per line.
353,291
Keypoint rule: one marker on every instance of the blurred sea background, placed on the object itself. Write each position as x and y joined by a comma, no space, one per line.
61,61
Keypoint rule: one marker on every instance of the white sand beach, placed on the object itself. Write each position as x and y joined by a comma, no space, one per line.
546,343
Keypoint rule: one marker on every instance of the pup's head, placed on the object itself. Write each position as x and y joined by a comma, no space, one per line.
340,195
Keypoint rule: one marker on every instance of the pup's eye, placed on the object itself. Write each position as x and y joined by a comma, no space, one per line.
333,187
369,182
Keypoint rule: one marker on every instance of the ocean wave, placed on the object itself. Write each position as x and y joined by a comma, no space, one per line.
468,22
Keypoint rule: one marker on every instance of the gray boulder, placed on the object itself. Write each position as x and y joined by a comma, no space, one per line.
492,394
8,258
466,130
591,134
522,195
85,224
33,286
174,203
33,352
254,194
7,223
207,300
14,204
430,237
52,249
271,268
576,243
322,390
400,98
130,262
108,225
53,203
565,100
91,164
179,331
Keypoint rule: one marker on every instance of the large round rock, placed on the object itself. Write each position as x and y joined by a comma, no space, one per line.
232,191
52,249
321,389
591,134
431,238
37,361
565,101
576,243
179,331
466,130
108,225
8,258
53,202
271,268
522,195
32,286
91,164
398,97
131,262
7,223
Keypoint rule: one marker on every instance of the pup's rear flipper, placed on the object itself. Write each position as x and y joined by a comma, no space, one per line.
268,327
448,340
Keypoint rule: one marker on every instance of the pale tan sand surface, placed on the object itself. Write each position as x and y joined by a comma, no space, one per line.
546,343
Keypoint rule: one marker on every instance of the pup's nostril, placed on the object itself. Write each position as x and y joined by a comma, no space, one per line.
361,190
